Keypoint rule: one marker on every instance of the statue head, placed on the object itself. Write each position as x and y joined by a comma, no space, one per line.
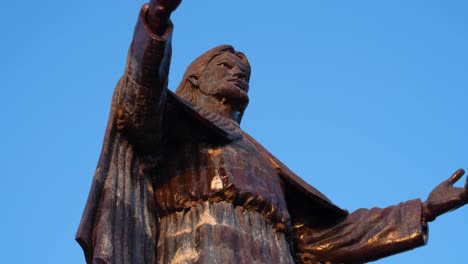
219,76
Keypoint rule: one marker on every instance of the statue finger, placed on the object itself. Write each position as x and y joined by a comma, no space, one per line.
171,4
456,176
466,186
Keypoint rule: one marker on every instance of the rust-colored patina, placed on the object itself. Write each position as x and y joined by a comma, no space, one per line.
178,180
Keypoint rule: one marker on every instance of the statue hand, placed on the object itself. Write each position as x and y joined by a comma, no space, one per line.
163,6
445,197
159,12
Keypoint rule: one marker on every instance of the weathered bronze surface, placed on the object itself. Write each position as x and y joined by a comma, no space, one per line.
179,182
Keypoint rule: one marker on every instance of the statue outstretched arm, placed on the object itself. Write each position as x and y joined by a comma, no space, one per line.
142,90
364,235
370,234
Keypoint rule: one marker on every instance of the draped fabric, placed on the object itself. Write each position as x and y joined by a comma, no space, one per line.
221,233
119,223
121,218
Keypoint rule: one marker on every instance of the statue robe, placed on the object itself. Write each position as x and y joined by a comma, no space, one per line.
178,184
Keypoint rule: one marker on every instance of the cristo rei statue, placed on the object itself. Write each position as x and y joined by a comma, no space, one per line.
178,181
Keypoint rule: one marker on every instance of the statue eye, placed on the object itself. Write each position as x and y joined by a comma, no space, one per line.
225,64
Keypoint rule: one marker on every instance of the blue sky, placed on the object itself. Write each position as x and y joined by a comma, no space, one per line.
366,100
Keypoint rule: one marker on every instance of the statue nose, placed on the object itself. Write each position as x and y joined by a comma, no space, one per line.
239,74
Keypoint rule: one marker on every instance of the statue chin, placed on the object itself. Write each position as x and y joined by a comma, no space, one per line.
232,95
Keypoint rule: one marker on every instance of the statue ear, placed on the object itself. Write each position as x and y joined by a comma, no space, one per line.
194,81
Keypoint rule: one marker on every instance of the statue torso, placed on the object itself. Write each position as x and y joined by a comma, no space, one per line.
219,201
196,169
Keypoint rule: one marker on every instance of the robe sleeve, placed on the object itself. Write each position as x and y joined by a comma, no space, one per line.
141,92
364,235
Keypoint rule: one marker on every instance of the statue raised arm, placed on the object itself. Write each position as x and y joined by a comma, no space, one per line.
119,223
141,93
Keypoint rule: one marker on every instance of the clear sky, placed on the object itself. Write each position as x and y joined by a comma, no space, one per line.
366,100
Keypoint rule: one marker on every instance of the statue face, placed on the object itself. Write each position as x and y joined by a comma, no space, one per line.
226,78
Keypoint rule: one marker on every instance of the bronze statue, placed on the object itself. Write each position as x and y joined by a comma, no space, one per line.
179,182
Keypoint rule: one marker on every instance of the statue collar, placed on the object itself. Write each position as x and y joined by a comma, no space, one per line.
222,126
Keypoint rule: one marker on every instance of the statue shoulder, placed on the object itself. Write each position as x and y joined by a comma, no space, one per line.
304,200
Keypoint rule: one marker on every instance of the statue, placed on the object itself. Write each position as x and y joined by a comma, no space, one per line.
178,181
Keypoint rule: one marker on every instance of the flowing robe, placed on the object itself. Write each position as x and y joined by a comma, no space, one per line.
178,184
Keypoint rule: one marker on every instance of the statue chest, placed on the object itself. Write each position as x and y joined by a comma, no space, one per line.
237,172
